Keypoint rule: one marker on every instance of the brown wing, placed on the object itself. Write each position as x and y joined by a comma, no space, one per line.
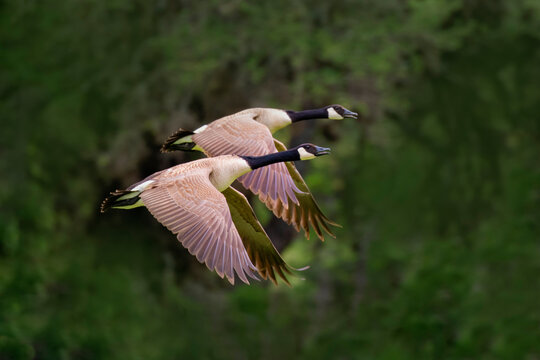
242,135
193,209
307,212
259,247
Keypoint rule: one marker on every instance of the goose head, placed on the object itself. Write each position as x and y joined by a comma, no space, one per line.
310,151
338,112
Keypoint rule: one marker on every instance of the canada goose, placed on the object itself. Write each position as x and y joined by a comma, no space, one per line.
211,219
280,186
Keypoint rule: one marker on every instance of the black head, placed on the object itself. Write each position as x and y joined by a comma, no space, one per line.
310,151
338,112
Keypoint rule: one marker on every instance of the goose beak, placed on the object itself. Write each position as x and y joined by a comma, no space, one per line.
350,114
322,151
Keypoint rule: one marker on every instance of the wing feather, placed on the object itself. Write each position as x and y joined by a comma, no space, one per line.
242,135
260,249
307,212
197,213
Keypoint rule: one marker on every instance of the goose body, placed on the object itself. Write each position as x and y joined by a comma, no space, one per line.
212,220
280,186
273,119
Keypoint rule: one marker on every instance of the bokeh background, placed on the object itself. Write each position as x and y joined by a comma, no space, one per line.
437,185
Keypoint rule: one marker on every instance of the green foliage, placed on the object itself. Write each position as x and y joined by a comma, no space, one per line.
436,187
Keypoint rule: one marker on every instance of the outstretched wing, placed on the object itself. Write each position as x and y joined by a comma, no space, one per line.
193,209
307,211
242,135
259,247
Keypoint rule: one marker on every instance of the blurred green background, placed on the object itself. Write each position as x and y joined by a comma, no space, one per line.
437,186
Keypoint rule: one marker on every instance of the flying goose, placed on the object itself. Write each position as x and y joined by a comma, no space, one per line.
212,220
280,186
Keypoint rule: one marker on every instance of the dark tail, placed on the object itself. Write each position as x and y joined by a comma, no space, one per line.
120,199
170,145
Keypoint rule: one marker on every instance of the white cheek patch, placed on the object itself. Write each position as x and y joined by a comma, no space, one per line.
304,155
201,129
142,186
332,114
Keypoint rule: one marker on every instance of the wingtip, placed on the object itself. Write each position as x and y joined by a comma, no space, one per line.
295,271
282,275
334,224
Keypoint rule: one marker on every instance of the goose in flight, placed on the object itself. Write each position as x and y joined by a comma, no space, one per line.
212,220
280,186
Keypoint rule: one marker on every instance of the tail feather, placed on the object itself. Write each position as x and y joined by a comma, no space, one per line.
121,199
172,144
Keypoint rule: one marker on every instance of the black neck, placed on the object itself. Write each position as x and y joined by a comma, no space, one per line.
256,162
307,114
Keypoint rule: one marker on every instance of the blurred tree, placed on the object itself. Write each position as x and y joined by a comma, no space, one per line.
436,186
